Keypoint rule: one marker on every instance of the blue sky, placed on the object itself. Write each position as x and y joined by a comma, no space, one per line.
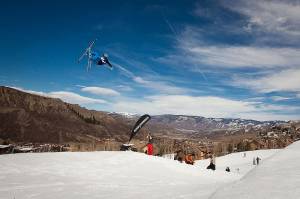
237,59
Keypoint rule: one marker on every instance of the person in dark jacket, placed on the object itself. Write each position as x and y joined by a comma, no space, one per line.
257,160
212,164
227,169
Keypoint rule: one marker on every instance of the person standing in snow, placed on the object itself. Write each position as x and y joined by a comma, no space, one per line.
214,159
212,164
150,148
257,160
254,161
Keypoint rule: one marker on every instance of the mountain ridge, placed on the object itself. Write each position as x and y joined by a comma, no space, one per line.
27,117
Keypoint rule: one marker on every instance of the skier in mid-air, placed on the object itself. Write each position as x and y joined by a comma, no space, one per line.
93,57
99,60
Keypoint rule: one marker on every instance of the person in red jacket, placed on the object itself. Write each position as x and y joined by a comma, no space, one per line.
150,148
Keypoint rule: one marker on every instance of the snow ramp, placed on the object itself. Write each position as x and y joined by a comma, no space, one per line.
120,175
94,175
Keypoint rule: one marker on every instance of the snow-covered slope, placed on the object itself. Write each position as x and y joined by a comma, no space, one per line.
117,175
276,178
103,175
238,162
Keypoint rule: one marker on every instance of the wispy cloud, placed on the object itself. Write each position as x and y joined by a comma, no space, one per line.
198,53
160,86
279,98
75,98
30,91
201,11
157,84
66,96
274,17
208,106
100,91
276,68
285,80
125,88
243,56
124,71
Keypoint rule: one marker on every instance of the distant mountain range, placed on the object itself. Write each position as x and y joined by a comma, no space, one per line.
26,117
197,126
198,123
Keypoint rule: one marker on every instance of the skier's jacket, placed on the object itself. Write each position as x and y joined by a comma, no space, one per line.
150,149
189,159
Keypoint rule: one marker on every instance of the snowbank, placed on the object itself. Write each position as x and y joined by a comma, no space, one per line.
115,175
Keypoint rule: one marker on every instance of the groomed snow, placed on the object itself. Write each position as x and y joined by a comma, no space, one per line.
119,175
276,178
